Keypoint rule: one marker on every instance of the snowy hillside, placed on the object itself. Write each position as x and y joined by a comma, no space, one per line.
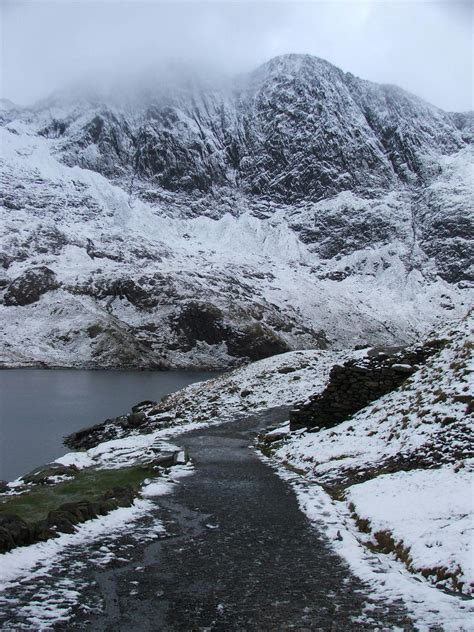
203,226
404,465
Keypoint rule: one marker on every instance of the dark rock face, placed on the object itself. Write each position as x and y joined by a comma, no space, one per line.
347,228
104,431
296,128
14,532
205,322
446,233
146,403
138,292
256,342
30,286
200,321
356,383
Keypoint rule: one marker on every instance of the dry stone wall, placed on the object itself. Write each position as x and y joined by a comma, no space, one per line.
356,383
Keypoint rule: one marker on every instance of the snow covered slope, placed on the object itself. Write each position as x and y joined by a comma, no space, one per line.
196,224
405,465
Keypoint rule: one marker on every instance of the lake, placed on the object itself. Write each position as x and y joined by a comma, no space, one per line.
38,407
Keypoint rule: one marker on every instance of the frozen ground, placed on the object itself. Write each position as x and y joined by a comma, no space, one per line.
430,608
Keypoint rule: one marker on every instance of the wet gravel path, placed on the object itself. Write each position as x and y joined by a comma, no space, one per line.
243,557
238,556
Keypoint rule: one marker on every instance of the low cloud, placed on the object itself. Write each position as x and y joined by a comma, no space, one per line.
425,47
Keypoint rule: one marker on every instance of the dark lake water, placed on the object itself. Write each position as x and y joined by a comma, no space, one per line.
38,407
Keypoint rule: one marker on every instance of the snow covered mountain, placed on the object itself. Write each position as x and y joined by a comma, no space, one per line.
185,222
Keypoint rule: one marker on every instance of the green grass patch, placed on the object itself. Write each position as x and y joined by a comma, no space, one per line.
89,484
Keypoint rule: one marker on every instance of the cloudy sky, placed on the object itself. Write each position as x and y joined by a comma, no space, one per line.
425,46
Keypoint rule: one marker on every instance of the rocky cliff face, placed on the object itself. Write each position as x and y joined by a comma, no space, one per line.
297,128
202,224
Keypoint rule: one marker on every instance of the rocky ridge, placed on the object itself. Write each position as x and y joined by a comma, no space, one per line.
205,224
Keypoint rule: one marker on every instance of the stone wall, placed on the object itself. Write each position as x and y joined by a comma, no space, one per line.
356,383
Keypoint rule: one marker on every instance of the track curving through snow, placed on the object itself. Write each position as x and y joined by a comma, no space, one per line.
236,555
242,556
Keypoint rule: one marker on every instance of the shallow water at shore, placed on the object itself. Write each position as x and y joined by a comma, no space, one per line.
38,407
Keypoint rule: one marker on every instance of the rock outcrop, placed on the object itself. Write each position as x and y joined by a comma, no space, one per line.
30,286
14,531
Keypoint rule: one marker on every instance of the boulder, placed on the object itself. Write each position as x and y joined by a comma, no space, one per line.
6,540
45,475
146,403
14,531
61,521
134,420
121,496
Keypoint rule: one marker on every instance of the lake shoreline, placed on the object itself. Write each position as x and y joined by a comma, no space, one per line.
39,408
117,369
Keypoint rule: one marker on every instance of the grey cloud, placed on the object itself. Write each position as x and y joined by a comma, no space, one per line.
425,47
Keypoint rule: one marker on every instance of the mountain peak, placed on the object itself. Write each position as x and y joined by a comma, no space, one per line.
296,62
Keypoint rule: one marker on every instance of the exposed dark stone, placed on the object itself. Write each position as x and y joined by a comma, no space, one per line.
143,293
245,393
54,129
205,322
87,438
200,321
121,496
45,474
94,330
6,540
136,419
146,403
256,343
14,531
30,286
61,521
